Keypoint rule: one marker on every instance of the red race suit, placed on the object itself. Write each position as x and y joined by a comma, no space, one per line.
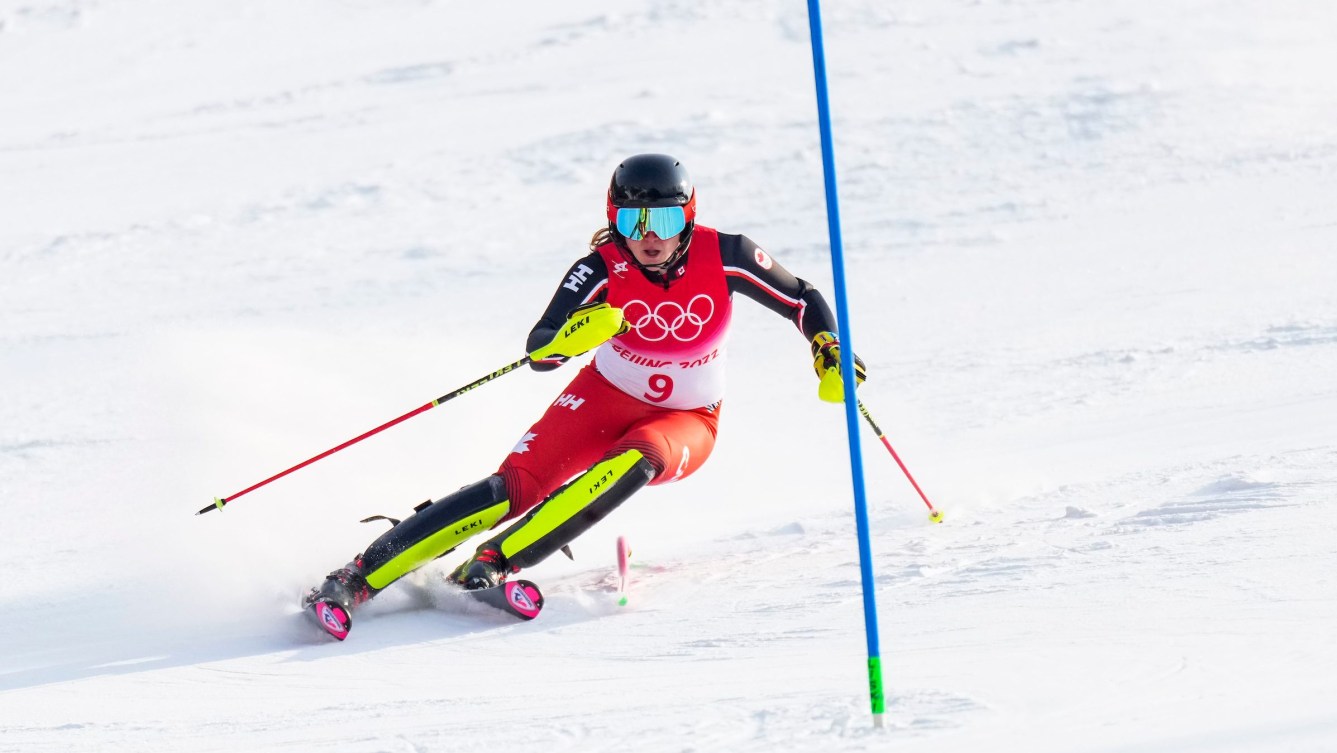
657,388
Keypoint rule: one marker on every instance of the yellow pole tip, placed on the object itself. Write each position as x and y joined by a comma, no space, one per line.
935,516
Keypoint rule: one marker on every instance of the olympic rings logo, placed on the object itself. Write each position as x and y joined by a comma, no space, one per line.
670,318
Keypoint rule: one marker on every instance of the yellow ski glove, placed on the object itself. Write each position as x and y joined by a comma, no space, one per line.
587,327
826,362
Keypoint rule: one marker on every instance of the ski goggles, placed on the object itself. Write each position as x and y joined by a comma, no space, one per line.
636,223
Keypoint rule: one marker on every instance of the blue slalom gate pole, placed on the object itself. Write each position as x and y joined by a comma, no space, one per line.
847,365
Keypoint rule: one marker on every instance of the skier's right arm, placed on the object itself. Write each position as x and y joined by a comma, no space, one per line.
585,284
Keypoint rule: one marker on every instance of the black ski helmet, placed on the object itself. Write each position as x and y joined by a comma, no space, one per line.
652,180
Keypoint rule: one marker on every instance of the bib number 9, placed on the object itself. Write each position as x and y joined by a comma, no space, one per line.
661,386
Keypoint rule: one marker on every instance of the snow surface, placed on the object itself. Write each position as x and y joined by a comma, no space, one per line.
1091,249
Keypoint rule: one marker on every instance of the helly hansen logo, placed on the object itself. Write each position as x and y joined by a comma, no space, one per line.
570,401
578,278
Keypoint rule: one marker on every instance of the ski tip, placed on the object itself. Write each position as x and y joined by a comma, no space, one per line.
524,598
331,617
519,598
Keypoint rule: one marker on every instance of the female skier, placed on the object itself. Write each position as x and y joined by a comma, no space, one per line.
654,295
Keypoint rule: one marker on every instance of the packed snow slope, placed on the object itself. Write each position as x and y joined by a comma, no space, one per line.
1091,250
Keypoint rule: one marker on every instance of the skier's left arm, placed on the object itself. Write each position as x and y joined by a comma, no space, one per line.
757,275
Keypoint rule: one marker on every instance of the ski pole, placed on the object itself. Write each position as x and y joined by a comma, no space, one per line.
220,501
933,514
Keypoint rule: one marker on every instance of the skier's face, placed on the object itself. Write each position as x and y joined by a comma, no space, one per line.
652,250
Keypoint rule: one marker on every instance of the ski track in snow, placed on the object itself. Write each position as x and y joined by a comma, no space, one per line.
1090,254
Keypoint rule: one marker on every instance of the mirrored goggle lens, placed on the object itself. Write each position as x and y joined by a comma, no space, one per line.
664,222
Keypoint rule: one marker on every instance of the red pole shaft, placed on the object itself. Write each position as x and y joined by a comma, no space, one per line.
887,443
220,501
325,454
913,483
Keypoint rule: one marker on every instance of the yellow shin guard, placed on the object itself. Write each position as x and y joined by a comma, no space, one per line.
573,509
434,530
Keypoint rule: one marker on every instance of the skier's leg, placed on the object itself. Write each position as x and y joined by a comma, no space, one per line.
576,431
433,530
559,445
662,447
676,443
569,512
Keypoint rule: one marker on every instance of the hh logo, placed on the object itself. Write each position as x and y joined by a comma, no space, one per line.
577,278
570,401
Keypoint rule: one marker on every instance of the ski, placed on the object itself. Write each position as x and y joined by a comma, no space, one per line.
519,598
330,615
